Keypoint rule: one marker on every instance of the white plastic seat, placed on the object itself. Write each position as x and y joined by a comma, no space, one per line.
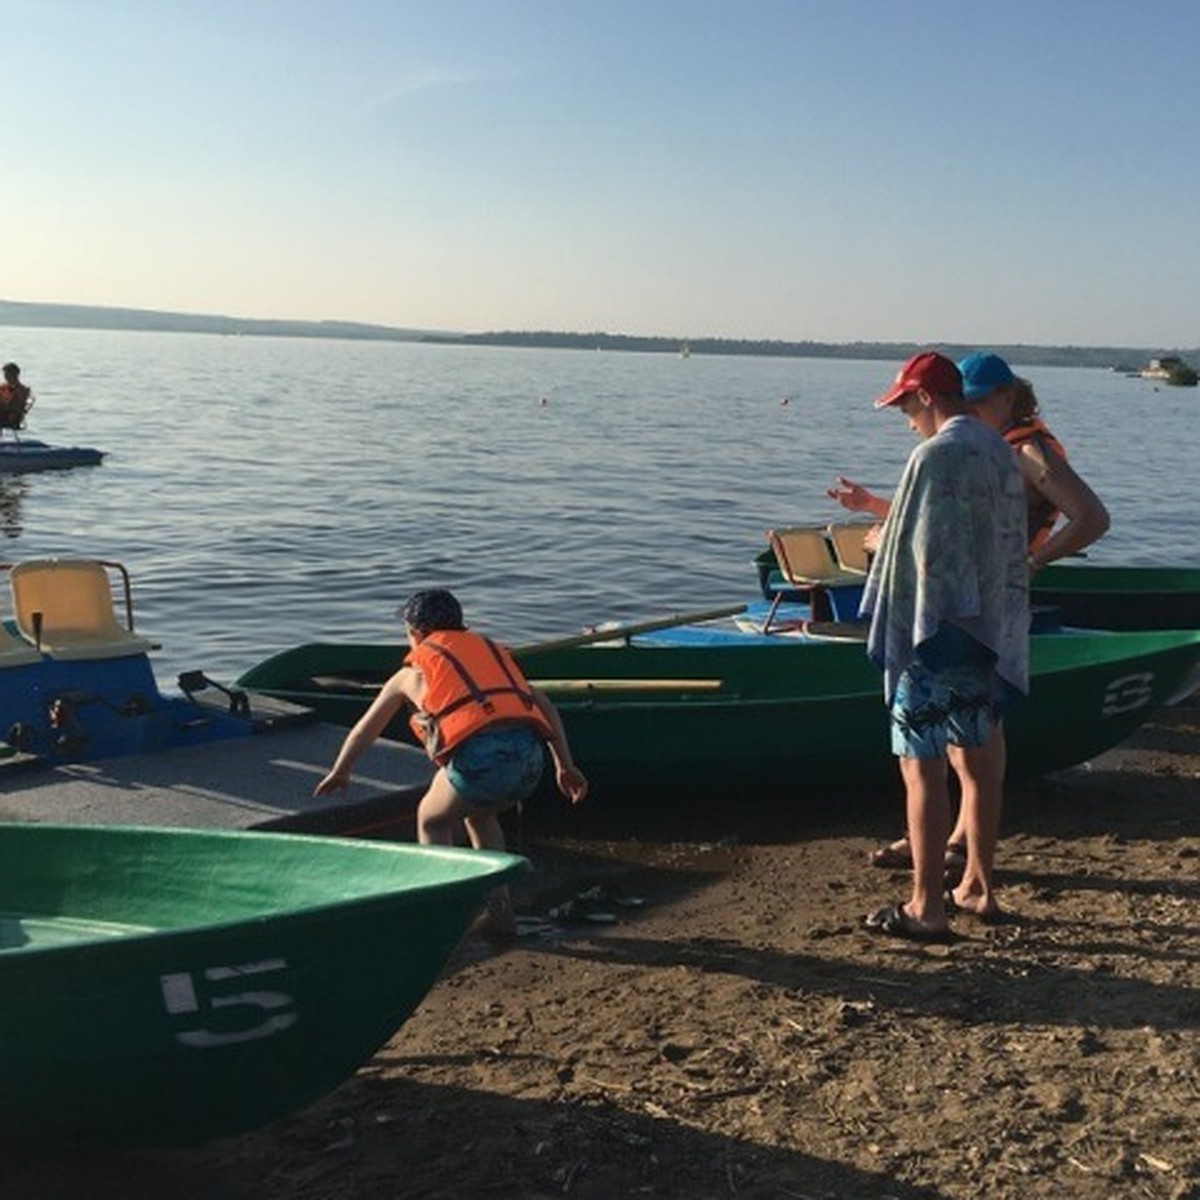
65,608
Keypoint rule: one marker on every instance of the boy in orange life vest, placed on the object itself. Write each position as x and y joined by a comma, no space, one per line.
480,721
14,398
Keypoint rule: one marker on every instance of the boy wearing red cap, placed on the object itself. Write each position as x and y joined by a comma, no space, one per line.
948,598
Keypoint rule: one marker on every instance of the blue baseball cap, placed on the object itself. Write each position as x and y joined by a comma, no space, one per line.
982,373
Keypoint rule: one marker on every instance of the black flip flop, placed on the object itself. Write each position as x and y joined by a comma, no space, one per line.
890,921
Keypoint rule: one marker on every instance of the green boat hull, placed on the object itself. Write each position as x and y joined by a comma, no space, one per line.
1095,596
779,722
1087,595
166,986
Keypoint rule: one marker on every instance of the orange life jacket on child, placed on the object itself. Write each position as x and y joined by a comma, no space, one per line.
14,403
1042,514
470,683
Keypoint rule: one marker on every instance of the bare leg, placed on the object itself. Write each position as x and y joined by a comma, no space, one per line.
958,835
486,833
928,811
440,812
982,773
484,830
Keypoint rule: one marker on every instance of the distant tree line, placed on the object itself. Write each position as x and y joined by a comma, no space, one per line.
1121,357
82,316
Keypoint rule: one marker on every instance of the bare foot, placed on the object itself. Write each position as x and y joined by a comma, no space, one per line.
980,906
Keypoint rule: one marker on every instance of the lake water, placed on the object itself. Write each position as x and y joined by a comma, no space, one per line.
265,492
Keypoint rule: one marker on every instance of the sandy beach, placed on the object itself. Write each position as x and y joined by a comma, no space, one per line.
707,1019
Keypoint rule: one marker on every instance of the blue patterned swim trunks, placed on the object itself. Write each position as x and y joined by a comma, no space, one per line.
949,695
497,768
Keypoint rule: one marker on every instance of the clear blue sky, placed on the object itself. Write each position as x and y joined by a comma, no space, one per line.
927,170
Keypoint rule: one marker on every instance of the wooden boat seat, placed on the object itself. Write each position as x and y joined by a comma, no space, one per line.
65,607
806,563
847,538
16,651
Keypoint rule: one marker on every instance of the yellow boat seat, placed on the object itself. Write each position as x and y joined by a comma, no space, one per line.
806,563
65,608
847,538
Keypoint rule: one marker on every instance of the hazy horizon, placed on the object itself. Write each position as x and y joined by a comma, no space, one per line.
786,170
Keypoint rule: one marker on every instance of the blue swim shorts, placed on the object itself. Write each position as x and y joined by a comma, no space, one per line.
949,695
497,768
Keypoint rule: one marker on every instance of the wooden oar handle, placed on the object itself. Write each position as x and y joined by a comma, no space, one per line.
628,685
624,632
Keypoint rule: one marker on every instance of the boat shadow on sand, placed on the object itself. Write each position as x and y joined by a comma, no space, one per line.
453,1143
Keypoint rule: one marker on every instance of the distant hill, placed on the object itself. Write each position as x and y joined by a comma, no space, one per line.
86,316
82,316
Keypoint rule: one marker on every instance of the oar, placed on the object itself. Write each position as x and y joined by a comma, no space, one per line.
619,632
628,685
585,639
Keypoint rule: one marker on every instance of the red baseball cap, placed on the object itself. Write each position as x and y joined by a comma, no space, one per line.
933,372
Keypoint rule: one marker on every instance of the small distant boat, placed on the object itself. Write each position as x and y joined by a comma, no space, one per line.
165,987
1171,370
31,455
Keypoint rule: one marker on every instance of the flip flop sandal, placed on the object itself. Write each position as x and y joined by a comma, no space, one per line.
894,857
575,913
898,857
891,921
956,864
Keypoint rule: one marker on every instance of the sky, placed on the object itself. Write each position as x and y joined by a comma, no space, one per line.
833,170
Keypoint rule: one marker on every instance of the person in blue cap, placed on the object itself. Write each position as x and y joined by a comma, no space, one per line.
1065,515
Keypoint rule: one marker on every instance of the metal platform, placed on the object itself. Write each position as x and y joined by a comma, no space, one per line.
260,782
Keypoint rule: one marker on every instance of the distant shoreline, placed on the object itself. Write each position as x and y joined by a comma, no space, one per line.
76,316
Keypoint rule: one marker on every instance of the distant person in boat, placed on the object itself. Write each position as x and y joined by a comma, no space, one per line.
479,719
15,398
1053,490
948,599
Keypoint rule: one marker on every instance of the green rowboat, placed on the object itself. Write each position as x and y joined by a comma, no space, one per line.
1095,596
167,986
777,722
1083,595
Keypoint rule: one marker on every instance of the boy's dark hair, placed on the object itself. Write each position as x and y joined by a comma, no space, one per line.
433,609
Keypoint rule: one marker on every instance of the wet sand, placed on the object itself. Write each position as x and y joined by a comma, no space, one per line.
738,1034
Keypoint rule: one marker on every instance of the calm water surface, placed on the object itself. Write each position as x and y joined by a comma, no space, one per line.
265,492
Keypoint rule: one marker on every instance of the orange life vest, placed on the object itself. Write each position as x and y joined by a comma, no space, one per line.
1042,514
470,683
14,403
